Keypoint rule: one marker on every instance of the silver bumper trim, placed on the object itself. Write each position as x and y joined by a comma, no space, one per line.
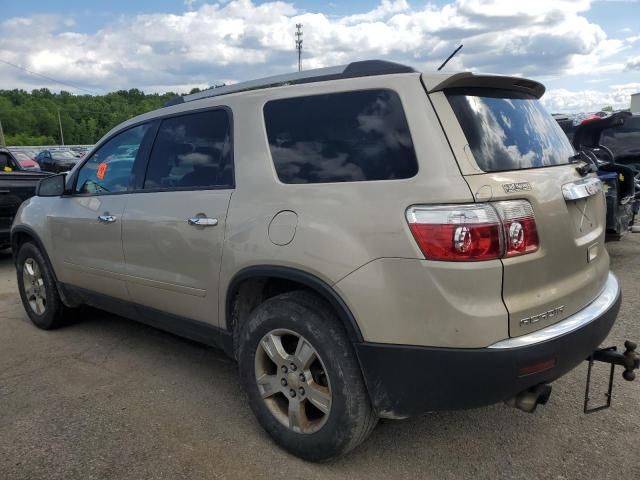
594,310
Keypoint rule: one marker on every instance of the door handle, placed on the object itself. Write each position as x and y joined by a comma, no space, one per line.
106,218
202,222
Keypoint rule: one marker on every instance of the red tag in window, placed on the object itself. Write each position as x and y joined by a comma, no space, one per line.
102,169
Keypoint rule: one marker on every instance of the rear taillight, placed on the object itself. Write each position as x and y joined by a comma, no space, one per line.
456,232
519,224
474,232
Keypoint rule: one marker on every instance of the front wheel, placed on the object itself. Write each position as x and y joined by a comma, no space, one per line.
302,378
38,289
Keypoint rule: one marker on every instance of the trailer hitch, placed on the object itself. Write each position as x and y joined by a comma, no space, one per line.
630,360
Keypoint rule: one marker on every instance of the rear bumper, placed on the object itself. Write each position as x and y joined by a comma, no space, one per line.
409,380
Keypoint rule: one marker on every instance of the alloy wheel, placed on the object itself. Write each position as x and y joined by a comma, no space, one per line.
34,288
293,381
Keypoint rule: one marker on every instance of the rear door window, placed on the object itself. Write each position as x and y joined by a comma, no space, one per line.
340,137
6,164
192,151
508,130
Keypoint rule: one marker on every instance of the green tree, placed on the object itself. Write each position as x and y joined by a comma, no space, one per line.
31,118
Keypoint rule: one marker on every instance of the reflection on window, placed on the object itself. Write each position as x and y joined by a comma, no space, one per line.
340,137
109,168
509,133
192,151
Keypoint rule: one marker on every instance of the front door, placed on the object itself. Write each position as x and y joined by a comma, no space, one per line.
173,229
87,226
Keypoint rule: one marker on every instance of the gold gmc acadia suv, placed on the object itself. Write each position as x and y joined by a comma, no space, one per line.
366,240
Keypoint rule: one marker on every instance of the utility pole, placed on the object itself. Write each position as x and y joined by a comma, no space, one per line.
299,44
60,124
2,142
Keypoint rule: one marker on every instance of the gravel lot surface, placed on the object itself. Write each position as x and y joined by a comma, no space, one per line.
108,398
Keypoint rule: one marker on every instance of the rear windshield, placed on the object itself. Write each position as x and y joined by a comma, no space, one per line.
509,131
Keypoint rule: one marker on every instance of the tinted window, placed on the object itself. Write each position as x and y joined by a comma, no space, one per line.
340,137
192,151
6,164
109,168
624,141
509,131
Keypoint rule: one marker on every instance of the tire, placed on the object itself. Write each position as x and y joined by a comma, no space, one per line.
318,434
38,289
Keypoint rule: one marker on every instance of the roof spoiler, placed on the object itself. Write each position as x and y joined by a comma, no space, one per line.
469,80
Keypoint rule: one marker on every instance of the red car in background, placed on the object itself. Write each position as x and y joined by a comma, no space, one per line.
26,162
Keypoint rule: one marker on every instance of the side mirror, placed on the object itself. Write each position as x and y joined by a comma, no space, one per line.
53,186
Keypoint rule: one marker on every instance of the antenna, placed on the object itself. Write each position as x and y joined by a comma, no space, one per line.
450,57
299,44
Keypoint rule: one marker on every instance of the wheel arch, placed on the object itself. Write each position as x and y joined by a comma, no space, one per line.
21,234
262,273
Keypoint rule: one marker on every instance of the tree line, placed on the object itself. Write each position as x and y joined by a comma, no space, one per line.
31,118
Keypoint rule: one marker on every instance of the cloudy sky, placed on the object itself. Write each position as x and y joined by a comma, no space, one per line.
586,52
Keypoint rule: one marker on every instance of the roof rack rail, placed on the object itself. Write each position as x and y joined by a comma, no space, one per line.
354,69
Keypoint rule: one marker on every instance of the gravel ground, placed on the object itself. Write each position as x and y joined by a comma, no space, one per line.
108,398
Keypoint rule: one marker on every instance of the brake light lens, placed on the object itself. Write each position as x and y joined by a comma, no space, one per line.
474,232
521,233
456,232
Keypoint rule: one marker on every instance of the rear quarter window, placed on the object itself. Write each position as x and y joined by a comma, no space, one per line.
340,137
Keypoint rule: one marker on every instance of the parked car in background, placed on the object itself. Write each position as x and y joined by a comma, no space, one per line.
624,141
368,241
612,145
16,185
26,162
56,160
79,151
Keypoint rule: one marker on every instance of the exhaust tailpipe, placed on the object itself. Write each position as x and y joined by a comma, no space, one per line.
528,400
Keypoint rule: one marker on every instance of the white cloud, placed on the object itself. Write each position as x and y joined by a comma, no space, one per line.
566,101
633,63
239,39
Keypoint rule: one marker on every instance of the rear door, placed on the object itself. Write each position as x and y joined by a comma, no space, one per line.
508,147
174,224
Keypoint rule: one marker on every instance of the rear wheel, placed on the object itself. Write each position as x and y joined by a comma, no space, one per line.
38,289
302,378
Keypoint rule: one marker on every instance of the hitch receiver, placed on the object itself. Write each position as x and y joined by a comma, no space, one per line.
630,360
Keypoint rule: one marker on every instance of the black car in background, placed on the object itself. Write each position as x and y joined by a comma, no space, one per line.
56,160
624,142
612,144
16,185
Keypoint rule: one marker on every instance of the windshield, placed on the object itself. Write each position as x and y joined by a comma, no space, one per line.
509,130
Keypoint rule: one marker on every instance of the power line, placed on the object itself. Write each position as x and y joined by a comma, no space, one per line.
49,78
